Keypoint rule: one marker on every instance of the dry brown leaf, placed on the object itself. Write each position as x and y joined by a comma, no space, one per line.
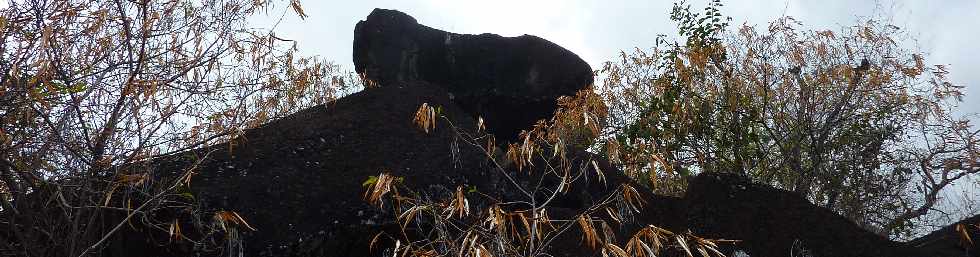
225,218
589,234
374,240
425,118
615,250
175,231
964,234
298,9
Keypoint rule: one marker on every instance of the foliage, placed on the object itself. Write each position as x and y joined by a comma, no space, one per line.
849,119
91,90
540,169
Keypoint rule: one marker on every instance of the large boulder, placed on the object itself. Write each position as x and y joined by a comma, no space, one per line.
298,181
510,81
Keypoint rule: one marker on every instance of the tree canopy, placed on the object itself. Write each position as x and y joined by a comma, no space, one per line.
87,87
851,119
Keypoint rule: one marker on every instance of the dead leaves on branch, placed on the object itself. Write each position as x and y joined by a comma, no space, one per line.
589,235
378,187
174,231
459,204
425,117
522,154
295,4
576,124
650,241
632,198
963,231
125,181
457,226
509,230
226,219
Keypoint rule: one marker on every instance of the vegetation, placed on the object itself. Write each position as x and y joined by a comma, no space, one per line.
849,119
89,87
541,169
92,91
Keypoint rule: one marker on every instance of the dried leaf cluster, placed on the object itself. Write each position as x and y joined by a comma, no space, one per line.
90,91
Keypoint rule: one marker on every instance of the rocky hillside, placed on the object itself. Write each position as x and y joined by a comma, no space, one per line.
299,181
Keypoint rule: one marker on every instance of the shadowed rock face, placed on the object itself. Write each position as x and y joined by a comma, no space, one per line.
298,182
772,222
948,241
510,81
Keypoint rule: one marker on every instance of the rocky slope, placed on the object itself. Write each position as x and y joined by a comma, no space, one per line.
298,180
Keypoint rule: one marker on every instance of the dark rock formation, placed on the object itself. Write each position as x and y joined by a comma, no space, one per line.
949,242
772,222
298,181
510,81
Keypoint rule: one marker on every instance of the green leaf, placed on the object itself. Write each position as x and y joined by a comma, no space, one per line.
187,195
371,180
185,192
78,87
684,172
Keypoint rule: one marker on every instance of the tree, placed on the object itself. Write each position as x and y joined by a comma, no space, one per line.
848,119
89,90
538,175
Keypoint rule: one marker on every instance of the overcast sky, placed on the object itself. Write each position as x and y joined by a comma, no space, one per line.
597,30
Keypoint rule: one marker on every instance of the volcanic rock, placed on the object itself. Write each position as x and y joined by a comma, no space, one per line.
512,82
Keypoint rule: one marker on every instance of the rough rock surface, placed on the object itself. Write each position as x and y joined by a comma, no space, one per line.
298,182
773,222
510,81
298,179
949,242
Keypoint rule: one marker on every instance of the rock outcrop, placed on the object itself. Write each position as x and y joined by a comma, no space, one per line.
298,180
510,81
773,222
950,240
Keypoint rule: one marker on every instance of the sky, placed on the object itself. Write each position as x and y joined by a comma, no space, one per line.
946,30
